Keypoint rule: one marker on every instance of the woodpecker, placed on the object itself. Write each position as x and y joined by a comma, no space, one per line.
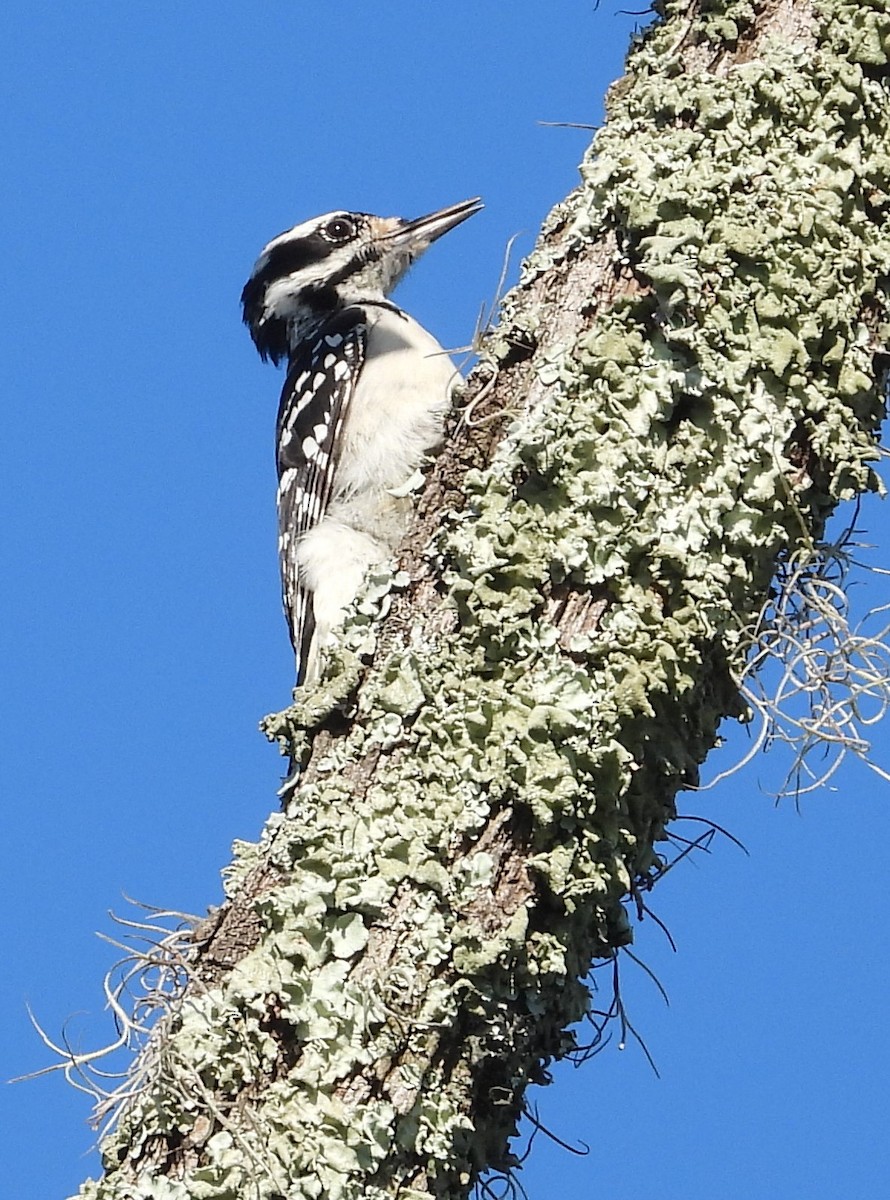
363,403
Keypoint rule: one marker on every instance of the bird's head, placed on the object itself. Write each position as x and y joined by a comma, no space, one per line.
330,262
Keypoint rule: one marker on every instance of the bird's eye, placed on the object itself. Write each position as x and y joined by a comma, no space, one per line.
339,229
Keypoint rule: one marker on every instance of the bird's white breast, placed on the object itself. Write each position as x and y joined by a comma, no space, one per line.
396,414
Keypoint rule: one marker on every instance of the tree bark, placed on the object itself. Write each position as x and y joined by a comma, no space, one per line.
687,380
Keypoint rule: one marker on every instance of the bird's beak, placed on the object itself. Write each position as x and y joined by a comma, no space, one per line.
416,235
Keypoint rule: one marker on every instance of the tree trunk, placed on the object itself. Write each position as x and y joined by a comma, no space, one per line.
687,380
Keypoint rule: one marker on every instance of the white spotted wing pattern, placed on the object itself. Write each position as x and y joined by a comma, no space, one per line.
314,404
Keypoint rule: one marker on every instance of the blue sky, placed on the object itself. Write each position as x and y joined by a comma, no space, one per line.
149,151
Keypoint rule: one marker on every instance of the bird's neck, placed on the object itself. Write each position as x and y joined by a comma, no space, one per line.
310,317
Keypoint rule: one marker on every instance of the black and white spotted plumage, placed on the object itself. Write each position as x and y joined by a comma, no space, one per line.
363,404
314,404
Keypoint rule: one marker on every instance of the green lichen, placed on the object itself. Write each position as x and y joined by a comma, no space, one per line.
707,422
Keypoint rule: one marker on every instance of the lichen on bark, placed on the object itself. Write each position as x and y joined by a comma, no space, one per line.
689,377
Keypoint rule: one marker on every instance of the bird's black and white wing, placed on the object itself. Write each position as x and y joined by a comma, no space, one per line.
314,403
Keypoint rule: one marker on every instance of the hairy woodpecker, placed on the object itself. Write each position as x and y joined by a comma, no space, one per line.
364,401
